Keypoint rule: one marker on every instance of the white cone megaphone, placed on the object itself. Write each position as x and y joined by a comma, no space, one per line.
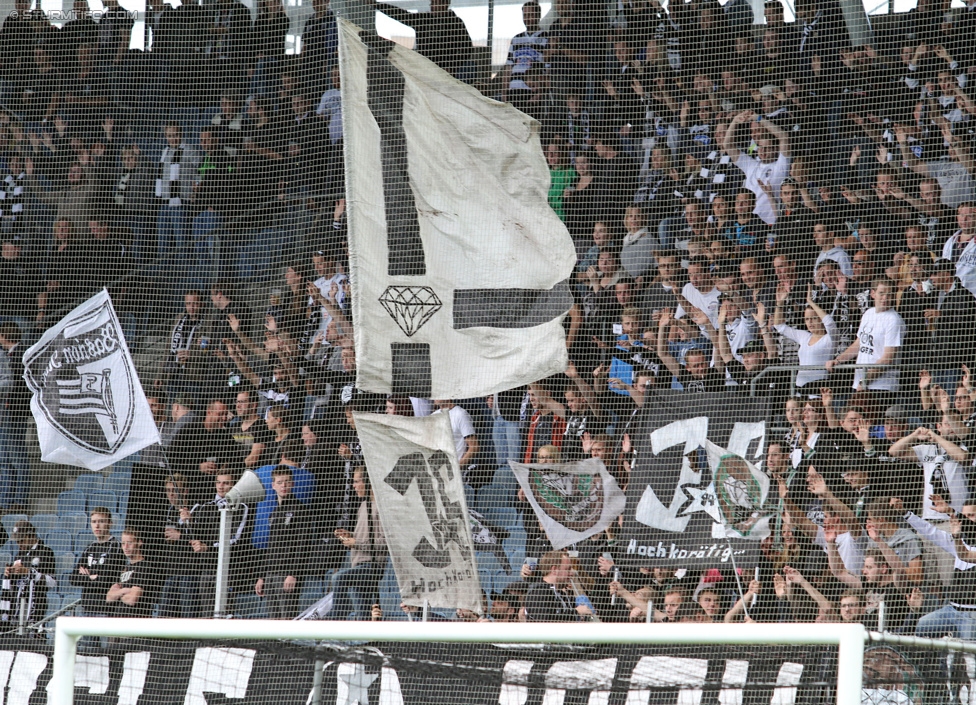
248,490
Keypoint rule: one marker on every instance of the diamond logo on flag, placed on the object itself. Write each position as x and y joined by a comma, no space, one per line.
410,306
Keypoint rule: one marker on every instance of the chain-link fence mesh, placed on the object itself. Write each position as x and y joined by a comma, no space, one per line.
666,314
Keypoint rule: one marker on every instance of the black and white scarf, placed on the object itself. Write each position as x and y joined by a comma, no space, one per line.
121,187
182,336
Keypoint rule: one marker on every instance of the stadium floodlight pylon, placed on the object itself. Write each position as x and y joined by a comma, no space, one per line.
849,638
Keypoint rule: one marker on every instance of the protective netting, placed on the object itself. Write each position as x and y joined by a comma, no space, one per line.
155,672
670,311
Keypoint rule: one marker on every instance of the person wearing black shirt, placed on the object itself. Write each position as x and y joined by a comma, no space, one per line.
507,409
222,296
368,553
696,375
441,35
251,431
20,282
547,600
66,271
753,353
200,448
29,576
182,369
134,595
957,618
286,557
99,566
662,293
320,46
616,175
15,416
180,591
205,540
40,90
583,416
950,311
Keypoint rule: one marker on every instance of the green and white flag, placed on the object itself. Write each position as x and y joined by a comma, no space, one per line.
572,500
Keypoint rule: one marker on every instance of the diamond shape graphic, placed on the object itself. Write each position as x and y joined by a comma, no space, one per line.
410,306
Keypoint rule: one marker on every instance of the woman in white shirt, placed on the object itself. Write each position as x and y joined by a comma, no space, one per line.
816,343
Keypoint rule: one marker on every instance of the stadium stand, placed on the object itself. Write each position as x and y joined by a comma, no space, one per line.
761,215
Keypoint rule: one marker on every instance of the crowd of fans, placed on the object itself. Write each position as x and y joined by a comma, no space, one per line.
740,202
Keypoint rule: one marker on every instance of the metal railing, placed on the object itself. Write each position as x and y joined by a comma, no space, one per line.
794,369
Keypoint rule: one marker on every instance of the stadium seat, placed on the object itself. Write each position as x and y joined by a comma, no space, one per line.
249,606
44,523
65,563
390,597
54,602
488,565
9,520
313,590
60,541
71,502
69,593
67,599
505,517
124,466
72,522
88,483
504,477
515,547
103,498
118,482
669,231
493,497
503,580
81,541
123,506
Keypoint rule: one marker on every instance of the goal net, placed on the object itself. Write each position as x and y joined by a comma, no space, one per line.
435,662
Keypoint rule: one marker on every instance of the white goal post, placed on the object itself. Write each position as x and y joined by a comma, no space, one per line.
849,638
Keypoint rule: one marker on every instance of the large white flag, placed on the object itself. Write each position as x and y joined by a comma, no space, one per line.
414,474
573,501
459,267
88,402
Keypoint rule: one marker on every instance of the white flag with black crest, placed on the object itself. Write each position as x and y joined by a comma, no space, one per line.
88,402
458,264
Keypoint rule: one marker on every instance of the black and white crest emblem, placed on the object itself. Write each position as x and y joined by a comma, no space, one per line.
82,381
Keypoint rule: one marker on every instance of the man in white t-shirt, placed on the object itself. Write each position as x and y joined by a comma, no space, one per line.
465,440
328,274
700,291
878,341
961,247
764,175
823,235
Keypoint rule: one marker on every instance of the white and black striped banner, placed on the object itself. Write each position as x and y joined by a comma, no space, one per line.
154,672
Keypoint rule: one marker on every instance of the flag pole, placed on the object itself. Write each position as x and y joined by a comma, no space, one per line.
735,571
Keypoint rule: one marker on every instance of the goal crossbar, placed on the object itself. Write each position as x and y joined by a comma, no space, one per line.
849,638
